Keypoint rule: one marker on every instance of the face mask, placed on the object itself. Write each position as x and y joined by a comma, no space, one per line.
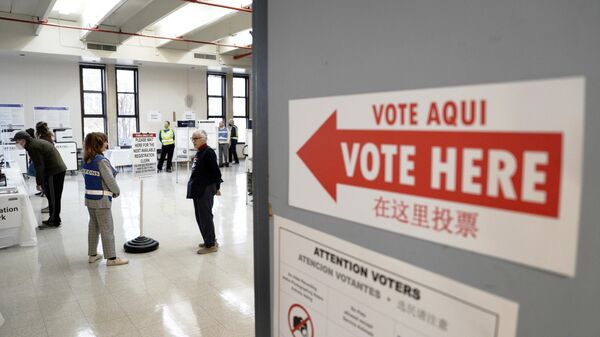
19,146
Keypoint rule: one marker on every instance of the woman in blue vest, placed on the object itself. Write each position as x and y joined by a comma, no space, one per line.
100,188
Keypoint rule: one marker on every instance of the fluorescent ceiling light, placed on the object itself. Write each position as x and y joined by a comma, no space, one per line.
66,7
242,39
96,10
188,18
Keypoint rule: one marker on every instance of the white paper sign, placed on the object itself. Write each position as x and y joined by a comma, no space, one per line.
494,169
56,117
144,154
12,115
327,287
189,115
154,116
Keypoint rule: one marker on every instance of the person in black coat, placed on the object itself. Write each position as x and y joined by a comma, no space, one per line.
204,184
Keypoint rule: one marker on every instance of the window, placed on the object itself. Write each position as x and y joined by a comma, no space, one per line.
215,85
127,104
93,98
240,105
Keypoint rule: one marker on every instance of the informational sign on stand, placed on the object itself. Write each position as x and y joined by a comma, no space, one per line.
494,169
55,116
12,115
327,287
144,154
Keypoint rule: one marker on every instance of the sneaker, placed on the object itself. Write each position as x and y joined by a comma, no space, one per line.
39,194
46,209
51,223
117,262
169,170
92,259
202,245
208,250
49,226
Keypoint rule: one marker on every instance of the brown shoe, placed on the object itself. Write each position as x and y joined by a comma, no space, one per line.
202,245
208,250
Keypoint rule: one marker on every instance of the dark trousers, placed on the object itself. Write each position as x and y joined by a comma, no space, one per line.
167,150
233,151
204,216
53,188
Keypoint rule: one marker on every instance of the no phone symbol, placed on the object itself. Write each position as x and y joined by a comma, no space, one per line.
300,322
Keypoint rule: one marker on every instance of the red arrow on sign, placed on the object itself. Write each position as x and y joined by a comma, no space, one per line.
507,174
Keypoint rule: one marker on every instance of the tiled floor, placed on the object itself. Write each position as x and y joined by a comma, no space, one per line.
51,290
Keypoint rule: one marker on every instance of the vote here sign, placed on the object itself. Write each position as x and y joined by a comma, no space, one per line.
493,168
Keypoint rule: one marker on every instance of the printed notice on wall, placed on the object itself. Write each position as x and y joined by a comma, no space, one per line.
154,116
12,115
55,116
144,154
493,168
327,287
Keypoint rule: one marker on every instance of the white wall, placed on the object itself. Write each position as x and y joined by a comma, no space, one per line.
164,89
49,83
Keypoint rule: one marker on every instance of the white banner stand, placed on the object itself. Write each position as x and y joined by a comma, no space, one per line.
183,144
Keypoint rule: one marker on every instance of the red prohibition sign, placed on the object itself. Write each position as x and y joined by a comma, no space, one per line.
304,323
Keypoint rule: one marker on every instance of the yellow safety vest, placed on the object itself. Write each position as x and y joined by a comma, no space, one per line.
166,137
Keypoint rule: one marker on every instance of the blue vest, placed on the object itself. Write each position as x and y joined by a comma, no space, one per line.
223,135
93,179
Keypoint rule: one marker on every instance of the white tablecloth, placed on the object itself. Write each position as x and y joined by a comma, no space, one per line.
18,226
119,157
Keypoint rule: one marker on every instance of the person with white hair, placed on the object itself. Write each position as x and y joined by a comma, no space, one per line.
204,184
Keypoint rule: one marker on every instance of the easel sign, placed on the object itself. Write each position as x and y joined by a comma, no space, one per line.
144,165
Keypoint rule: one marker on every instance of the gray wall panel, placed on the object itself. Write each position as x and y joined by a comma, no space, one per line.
334,47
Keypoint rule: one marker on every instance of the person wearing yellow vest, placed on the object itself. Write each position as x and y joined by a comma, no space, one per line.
166,137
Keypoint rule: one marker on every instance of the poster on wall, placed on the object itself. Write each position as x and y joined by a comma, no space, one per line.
327,287
493,168
12,115
155,116
55,116
189,115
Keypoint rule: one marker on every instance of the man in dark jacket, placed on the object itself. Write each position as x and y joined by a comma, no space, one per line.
49,173
204,184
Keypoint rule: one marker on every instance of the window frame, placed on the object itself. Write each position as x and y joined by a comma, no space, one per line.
223,96
82,92
247,97
136,95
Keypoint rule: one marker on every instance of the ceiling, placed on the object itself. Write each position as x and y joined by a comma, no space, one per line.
174,24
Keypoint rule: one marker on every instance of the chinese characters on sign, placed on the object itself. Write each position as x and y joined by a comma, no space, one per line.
437,219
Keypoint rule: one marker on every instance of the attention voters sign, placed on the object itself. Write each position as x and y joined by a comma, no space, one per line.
492,168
